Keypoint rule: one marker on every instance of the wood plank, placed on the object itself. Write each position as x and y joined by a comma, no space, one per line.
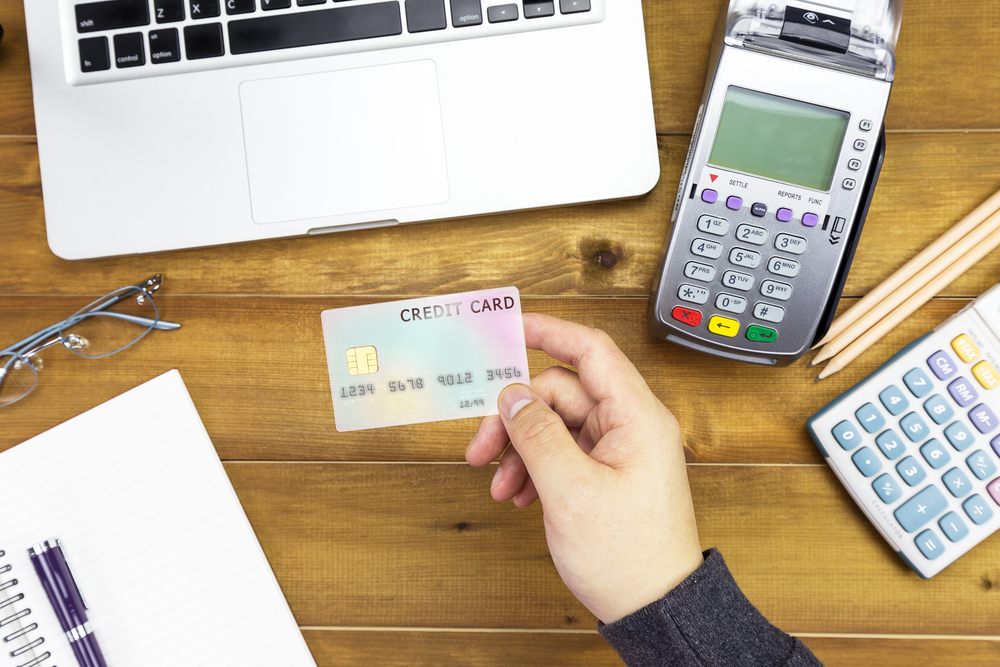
418,545
903,651
608,249
17,114
257,371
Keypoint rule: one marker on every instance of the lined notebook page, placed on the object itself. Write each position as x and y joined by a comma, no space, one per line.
166,560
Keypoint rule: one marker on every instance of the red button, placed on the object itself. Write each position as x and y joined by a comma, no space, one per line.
686,315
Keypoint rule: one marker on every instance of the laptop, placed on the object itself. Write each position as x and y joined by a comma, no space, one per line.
168,124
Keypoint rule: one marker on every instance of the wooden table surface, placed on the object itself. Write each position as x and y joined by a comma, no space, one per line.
386,544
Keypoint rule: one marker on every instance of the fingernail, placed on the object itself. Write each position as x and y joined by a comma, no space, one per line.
469,446
496,478
514,398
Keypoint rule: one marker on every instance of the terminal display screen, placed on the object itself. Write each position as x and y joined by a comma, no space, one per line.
778,138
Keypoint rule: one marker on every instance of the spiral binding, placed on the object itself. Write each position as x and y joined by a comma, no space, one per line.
9,615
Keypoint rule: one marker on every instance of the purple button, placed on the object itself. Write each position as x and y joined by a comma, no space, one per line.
810,219
709,196
758,210
734,203
784,214
983,418
962,391
942,365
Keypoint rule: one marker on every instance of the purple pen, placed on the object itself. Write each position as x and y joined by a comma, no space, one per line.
60,586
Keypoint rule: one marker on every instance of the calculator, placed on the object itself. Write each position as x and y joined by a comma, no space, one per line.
784,158
917,443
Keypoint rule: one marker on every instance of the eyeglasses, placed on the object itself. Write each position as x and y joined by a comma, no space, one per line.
92,332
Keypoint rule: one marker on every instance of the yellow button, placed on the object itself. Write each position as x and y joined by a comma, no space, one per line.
986,374
965,348
723,326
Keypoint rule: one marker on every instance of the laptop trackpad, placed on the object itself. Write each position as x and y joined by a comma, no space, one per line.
351,141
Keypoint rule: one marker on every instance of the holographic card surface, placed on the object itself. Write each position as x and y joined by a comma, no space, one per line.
424,360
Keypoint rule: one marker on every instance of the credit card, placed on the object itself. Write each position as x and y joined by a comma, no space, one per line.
424,360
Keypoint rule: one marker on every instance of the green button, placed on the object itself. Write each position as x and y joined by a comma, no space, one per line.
761,334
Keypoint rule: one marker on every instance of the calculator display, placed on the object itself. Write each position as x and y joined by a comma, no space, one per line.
778,138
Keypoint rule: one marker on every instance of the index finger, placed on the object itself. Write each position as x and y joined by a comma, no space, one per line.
605,371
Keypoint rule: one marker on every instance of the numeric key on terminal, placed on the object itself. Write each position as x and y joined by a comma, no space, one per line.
706,248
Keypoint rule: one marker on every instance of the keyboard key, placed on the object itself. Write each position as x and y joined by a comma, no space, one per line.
965,348
963,392
326,26
983,418
953,527
309,3
241,6
846,435
203,41
203,9
929,544
935,454
164,46
894,400
574,6
535,8
938,409
941,365
111,15
268,5
921,508
914,427
890,444
168,11
468,12
981,464
870,418
866,461
887,489
918,383
426,15
986,375
956,481
959,436
94,54
911,471
502,13
977,510
129,51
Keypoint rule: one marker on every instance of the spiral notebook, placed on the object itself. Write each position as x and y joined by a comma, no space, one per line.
161,549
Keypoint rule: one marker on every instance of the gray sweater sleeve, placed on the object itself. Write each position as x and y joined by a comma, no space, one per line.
705,621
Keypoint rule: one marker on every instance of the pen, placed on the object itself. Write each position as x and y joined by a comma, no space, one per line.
60,586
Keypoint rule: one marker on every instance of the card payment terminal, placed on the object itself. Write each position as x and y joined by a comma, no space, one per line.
786,150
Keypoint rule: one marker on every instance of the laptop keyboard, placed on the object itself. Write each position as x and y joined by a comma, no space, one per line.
128,39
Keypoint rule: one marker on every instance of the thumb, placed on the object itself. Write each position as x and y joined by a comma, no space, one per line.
549,452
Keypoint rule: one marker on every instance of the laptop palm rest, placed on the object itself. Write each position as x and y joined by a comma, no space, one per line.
344,142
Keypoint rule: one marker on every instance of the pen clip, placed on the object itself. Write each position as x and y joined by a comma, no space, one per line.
69,569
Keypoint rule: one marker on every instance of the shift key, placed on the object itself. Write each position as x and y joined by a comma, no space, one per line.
111,15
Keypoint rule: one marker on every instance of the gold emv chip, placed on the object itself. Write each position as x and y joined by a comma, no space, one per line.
362,360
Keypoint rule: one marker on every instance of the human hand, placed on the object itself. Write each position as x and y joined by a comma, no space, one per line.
605,458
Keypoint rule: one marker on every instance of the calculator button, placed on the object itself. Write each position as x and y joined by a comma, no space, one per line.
734,203
959,436
784,215
751,234
723,326
731,303
849,184
776,290
914,427
711,224
983,418
995,443
745,258
965,348
981,464
986,374
935,454
693,294
893,400
698,271
866,461
956,481
887,489
938,409
890,444
869,416
706,248
761,334
918,383
686,316
953,527
854,164
941,365
929,544
737,280
796,245
860,144
911,471
977,510
709,196
846,435
783,267
994,490
768,313
758,210
921,508
810,220
963,392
